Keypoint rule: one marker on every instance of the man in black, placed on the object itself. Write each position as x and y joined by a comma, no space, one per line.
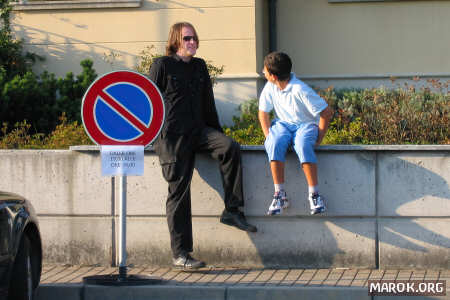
192,125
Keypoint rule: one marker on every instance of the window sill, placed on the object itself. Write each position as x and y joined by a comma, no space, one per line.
76,4
344,1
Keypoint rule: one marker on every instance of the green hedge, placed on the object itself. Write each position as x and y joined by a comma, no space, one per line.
41,111
375,116
370,116
42,99
39,99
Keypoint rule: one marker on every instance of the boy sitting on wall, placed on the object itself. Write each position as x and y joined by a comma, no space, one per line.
302,121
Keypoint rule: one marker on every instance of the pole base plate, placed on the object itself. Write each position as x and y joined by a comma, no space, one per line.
121,280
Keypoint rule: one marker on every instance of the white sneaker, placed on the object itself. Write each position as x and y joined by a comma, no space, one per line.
279,203
316,203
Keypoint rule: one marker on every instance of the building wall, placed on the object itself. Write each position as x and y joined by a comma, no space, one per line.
351,44
364,42
114,37
64,37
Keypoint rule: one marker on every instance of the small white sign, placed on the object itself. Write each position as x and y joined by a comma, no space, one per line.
122,160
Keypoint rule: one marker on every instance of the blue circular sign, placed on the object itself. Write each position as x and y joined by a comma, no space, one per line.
123,108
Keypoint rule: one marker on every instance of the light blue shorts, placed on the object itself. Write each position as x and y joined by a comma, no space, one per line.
301,137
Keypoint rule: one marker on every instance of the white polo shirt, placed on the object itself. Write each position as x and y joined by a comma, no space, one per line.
297,103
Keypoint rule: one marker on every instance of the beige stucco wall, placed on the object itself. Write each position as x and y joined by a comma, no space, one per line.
342,44
365,38
64,37
229,35
336,39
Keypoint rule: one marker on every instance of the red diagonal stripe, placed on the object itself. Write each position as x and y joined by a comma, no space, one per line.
125,114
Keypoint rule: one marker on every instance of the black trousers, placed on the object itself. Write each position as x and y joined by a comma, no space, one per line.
177,158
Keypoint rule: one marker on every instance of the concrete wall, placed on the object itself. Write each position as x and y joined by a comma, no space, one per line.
388,206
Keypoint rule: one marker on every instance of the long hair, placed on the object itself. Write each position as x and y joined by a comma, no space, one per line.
176,37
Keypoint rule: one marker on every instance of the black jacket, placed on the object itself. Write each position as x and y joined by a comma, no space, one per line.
187,92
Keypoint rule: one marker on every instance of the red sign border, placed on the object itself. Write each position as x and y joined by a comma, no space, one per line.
122,76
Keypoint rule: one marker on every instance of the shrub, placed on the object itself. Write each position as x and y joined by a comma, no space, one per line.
38,99
19,137
350,134
147,56
65,135
246,129
70,92
46,111
370,116
42,99
12,60
399,116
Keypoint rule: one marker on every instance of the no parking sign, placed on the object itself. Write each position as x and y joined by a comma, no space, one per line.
122,111
122,108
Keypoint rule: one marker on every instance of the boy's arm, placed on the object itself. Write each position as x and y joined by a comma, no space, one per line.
264,120
325,117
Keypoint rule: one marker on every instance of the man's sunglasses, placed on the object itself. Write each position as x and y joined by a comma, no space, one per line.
187,38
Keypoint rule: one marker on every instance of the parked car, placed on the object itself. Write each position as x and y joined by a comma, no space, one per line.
20,248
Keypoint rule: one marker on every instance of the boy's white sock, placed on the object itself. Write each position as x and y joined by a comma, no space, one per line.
279,187
313,189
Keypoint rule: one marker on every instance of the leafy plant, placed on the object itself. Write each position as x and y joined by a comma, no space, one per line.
45,110
19,137
246,129
371,116
65,135
214,71
41,99
12,59
145,59
35,102
147,56
70,91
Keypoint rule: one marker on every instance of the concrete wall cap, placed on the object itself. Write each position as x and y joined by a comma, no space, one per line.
319,148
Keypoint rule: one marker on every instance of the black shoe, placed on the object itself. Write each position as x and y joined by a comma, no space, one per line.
187,262
236,219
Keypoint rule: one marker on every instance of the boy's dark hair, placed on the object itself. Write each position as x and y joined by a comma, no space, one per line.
279,64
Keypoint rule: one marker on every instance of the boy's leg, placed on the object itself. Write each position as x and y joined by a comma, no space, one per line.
304,142
277,168
310,170
279,201
276,144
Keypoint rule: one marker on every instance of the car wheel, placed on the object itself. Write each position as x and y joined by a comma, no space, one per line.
21,286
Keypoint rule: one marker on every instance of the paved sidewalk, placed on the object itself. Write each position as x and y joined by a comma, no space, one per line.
248,277
219,283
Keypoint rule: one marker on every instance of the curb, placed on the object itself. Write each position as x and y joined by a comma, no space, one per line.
90,292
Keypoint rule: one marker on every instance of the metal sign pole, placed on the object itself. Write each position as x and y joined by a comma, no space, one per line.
122,279
123,226
137,104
